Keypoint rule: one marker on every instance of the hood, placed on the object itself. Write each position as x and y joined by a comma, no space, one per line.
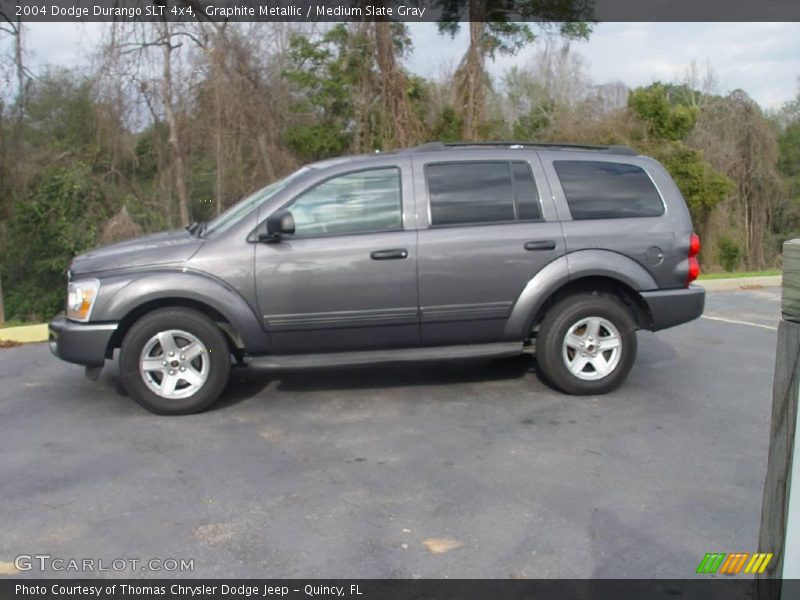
158,248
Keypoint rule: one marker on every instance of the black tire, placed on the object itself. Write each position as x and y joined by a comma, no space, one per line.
173,319
550,350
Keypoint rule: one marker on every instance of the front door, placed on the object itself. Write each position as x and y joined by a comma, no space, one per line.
346,279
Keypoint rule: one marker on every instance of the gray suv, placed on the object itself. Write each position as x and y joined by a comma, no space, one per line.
442,251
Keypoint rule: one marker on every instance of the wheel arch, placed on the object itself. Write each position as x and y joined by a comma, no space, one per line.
592,271
597,284
232,336
132,299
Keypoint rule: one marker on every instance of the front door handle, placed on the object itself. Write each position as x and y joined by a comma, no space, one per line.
394,253
541,245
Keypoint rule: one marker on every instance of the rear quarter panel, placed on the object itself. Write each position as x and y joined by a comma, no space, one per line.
642,240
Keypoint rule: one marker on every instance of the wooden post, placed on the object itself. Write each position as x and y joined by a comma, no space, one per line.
2,308
775,507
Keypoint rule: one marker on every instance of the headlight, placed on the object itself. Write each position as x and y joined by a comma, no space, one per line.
80,298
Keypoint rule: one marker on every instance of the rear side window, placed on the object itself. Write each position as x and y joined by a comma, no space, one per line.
481,192
607,190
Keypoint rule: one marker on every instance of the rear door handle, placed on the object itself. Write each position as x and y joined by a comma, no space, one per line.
541,245
394,253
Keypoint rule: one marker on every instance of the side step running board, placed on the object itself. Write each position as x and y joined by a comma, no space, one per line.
339,359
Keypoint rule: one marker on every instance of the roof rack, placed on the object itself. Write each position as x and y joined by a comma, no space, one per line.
434,146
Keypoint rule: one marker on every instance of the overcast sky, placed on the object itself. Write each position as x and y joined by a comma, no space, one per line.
761,58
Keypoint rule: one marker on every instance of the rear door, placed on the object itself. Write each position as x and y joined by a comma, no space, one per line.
487,226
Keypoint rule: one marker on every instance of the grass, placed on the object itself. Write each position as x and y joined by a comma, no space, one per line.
738,275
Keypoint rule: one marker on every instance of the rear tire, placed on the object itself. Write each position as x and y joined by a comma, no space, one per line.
174,361
587,344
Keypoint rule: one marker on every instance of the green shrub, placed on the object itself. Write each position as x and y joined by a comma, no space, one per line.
58,220
728,253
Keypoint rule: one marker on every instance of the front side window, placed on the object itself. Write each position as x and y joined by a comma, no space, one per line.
607,190
366,201
481,192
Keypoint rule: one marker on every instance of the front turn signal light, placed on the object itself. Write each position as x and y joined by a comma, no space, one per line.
81,296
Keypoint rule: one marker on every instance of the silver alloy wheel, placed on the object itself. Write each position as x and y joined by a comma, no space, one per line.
174,364
592,348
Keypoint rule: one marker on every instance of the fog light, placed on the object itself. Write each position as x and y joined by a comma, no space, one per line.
53,343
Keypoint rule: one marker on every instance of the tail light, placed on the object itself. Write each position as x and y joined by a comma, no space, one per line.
694,265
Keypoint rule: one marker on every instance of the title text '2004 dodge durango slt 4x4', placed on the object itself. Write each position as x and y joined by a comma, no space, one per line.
440,251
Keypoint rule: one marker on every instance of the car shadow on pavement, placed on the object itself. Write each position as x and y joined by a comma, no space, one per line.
405,375
246,383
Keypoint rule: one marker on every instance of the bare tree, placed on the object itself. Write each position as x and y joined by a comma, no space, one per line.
553,90
21,73
739,142
495,29
700,82
399,126
218,62
175,140
129,57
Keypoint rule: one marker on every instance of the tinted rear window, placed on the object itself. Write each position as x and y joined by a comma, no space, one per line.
481,192
607,190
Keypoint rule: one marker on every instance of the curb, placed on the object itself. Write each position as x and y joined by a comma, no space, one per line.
25,334
740,283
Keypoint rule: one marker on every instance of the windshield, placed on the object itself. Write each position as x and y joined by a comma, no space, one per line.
235,213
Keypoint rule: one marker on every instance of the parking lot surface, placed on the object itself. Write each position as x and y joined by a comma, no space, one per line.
465,469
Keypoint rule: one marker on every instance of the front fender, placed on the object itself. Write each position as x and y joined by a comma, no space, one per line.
121,294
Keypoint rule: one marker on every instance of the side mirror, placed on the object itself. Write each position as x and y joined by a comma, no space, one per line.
279,223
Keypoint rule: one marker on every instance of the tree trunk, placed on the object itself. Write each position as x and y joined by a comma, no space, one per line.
217,59
2,308
179,168
398,124
362,102
18,59
218,154
471,76
269,168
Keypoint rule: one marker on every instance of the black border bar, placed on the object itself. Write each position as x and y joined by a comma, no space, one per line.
723,588
398,10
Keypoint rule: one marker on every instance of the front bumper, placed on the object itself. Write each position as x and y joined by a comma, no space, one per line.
673,307
80,343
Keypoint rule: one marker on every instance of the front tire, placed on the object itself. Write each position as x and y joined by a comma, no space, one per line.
587,344
174,361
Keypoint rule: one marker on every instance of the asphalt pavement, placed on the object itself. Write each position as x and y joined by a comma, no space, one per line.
467,469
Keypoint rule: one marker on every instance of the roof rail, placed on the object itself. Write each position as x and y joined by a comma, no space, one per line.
433,146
